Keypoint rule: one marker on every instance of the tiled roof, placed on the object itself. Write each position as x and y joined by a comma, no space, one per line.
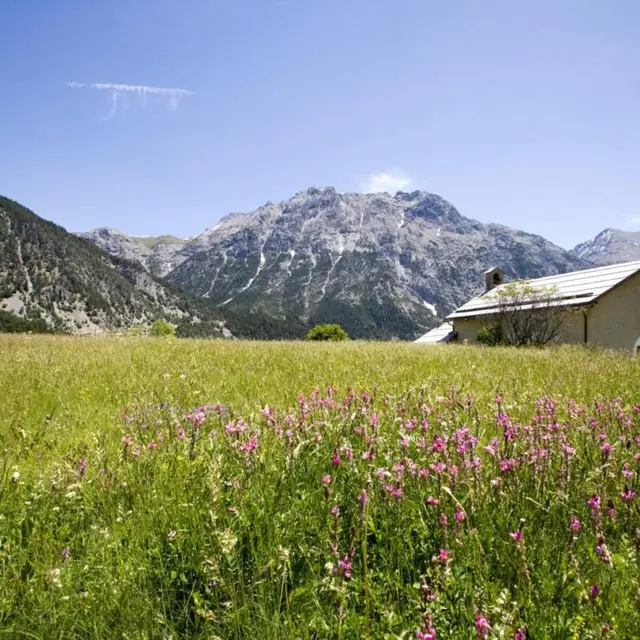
569,289
443,333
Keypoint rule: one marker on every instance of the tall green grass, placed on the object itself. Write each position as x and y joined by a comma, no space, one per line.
163,488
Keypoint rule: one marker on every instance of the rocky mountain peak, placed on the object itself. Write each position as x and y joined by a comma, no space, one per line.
610,246
158,254
382,265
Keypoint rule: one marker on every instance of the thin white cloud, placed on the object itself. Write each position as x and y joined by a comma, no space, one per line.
389,181
120,93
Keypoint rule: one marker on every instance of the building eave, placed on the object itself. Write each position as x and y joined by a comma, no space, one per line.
492,311
483,305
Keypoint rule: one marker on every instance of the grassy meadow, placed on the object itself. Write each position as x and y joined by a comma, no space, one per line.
156,488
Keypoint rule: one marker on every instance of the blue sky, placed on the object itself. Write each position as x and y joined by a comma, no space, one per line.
525,113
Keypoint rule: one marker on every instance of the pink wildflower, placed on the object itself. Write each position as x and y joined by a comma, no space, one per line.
575,524
594,591
594,502
369,455
398,468
344,567
602,551
628,495
431,501
606,448
444,521
196,418
516,535
482,626
326,479
626,471
428,594
492,448
180,433
250,447
459,515
336,460
507,465
396,492
520,635
410,425
363,498
443,555
335,511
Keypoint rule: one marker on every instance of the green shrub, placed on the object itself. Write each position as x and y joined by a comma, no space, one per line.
490,336
330,332
162,329
10,323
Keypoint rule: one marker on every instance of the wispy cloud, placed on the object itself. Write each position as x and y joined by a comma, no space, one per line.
389,181
120,95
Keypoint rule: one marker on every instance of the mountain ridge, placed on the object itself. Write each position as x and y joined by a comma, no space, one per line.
610,246
378,264
56,279
158,254
384,266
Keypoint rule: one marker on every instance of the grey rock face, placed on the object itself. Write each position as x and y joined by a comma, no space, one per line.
610,246
159,255
384,266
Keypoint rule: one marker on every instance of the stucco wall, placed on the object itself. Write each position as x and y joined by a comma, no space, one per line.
614,321
467,328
